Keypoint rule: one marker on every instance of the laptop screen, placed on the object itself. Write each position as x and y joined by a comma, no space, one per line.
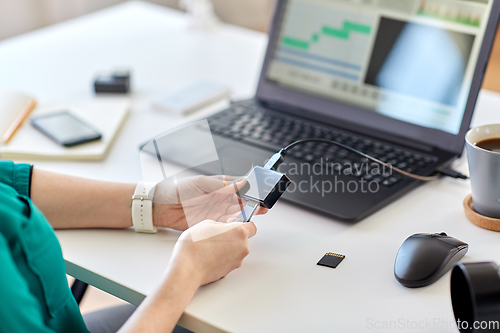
411,60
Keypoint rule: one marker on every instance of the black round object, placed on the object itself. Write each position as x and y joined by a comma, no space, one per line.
475,296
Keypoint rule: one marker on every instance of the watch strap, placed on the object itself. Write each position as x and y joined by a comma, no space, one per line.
142,208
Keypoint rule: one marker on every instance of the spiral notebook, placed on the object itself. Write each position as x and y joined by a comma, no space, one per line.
107,116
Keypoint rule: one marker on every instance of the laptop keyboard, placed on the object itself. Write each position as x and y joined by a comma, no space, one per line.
248,122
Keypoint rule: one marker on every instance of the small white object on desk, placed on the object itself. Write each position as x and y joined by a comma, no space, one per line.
202,13
193,97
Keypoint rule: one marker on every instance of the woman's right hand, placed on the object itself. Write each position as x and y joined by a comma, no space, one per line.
210,250
204,253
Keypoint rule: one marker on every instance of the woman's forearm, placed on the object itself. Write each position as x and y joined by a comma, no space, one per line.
71,202
161,311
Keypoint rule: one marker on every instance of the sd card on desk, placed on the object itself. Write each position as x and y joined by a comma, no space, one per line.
331,260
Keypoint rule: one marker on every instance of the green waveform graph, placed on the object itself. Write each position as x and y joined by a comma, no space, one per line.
343,34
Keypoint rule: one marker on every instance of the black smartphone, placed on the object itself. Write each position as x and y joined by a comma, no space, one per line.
65,128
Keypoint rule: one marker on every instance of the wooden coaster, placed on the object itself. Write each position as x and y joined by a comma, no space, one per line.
484,222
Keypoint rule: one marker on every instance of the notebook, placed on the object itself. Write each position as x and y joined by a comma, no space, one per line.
107,116
12,107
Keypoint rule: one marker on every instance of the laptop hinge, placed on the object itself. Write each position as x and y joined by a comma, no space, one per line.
298,112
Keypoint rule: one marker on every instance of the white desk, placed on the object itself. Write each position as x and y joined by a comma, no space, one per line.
279,288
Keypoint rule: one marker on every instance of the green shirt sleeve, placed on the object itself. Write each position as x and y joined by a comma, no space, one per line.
19,309
17,176
34,293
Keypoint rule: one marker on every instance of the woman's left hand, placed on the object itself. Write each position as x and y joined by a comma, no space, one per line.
182,203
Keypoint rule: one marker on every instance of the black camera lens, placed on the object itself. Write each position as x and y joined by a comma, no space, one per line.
475,296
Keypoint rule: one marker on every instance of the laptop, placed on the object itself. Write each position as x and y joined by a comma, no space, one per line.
396,79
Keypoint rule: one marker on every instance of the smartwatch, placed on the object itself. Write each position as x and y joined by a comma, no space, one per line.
142,208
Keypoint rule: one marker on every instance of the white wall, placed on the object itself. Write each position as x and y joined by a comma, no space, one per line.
19,16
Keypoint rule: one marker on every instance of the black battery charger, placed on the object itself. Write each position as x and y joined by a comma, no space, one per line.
117,82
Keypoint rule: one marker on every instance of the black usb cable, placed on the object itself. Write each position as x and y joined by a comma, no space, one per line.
279,157
268,196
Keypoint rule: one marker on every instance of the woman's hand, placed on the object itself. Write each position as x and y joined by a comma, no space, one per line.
182,203
193,264
207,257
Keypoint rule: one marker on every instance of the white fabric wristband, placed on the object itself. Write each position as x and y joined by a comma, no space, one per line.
142,208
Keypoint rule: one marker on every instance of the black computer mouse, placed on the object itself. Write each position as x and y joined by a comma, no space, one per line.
424,258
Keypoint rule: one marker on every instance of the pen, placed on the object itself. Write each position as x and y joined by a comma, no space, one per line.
19,120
